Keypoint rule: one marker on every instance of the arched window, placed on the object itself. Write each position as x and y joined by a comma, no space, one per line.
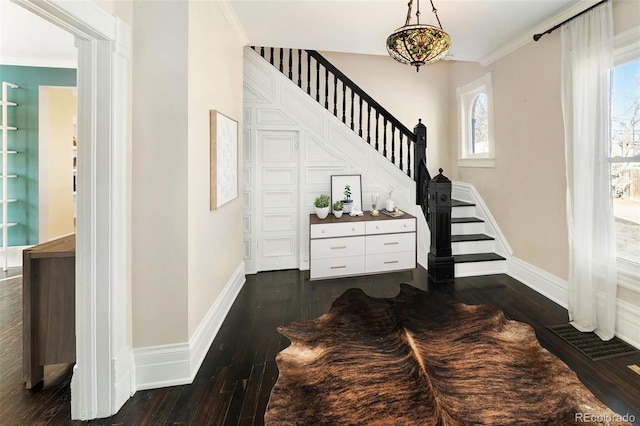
476,148
479,125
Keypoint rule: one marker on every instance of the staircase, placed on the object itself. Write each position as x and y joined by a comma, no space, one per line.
474,252
474,249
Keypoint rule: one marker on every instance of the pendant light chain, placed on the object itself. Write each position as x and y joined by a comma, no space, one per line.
435,12
409,5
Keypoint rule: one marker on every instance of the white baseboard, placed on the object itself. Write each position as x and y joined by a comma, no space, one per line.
123,378
161,366
539,280
178,364
628,323
209,327
556,289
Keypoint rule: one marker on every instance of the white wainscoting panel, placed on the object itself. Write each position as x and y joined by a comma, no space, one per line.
271,117
278,221
278,198
326,147
251,96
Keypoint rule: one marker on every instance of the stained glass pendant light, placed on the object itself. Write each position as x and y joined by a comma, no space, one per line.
418,44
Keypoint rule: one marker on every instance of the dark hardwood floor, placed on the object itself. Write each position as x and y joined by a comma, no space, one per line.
234,382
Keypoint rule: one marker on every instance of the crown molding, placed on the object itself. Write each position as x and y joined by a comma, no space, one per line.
233,21
627,46
527,37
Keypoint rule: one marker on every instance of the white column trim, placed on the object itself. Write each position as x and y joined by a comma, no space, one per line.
101,376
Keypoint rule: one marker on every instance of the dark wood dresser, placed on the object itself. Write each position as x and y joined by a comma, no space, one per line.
48,301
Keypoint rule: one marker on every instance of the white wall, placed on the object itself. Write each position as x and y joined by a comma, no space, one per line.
215,83
57,112
160,176
183,254
62,109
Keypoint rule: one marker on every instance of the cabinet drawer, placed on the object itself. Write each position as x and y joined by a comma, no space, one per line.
326,248
391,261
325,268
329,230
390,243
391,226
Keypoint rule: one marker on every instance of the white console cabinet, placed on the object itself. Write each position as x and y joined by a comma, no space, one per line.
361,245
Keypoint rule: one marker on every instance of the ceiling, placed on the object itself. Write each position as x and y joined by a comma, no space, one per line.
478,28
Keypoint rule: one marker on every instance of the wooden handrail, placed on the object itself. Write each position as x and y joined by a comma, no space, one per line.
361,93
363,114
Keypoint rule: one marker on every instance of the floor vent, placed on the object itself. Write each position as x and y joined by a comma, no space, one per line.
591,345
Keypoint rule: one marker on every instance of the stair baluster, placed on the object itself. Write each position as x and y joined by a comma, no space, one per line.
402,161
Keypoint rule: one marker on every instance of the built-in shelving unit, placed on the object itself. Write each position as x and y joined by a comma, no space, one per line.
5,176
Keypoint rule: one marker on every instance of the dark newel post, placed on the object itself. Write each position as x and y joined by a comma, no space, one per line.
420,154
440,259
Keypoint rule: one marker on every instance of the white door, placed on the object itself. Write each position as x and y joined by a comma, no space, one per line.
276,200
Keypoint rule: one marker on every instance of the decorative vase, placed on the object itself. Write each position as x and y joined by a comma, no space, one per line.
322,212
337,214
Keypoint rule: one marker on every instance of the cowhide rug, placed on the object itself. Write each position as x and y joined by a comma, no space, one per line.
421,359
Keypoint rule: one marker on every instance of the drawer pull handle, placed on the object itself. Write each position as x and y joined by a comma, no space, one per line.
323,231
353,229
338,247
389,262
377,227
339,267
405,225
393,243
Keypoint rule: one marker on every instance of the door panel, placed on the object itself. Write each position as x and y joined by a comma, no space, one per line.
277,195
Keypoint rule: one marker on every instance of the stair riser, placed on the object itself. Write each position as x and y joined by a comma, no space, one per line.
470,247
463,211
471,269
467,228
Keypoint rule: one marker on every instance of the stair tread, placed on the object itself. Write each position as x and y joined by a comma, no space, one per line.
465,219
471,237
460,203
477,257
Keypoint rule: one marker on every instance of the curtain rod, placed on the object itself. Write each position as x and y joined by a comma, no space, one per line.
536,37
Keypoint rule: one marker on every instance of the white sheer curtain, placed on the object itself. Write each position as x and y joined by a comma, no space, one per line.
587,57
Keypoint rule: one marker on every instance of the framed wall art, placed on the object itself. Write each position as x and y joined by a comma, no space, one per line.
224,159
348,189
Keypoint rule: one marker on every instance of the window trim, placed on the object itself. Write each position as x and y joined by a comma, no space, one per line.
627,49
466,97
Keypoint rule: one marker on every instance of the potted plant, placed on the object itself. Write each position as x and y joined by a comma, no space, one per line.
337,209
347,198
322,206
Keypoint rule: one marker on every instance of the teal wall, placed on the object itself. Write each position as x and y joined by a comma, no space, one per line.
25,141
